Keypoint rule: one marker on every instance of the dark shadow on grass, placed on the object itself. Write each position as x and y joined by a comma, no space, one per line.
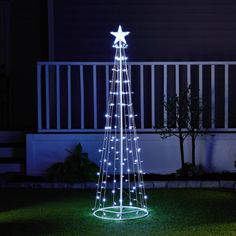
12,199
30,227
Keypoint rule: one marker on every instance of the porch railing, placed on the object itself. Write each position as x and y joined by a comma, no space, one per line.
72,96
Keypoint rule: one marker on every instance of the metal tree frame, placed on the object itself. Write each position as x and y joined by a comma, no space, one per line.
120,189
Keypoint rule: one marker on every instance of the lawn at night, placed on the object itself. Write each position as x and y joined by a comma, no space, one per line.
68,212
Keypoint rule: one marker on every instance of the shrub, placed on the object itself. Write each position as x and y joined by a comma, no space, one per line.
189,170
75,169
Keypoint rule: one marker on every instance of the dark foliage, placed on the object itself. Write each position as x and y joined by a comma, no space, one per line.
190,170
75,169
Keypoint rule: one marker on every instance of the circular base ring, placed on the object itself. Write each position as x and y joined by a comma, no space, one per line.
120,213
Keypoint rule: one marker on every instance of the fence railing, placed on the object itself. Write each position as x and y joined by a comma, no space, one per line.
72,96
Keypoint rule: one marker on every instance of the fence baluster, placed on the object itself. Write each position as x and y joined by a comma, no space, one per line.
188,75
82,96
153,94
200,94
94,97
226,125
58,96
69,95
107,85
47,98
213,96
165,93
141,97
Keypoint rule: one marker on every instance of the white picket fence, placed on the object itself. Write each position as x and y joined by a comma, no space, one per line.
50,86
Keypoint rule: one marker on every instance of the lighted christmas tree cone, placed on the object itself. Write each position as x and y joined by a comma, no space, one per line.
120,189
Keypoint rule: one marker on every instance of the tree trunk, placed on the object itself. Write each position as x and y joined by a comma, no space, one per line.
181,143
193,150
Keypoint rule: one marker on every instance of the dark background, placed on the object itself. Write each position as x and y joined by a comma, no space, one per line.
161,30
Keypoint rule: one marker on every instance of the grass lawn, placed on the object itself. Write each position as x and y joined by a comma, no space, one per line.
68,212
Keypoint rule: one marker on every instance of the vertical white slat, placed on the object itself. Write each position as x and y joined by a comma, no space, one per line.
81,96
107,85
177,80
176,87
69,95
165,93
153,94
188,75
47,97
130,74
213,96
39,78
58,96
226,125
94,97
200,77
141,97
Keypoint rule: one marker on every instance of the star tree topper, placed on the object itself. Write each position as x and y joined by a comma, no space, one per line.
120,35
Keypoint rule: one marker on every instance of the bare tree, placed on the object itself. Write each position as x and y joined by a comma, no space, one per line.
183,120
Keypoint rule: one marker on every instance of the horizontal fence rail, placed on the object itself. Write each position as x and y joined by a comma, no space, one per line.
72,96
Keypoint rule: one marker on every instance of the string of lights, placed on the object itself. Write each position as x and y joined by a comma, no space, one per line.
120,191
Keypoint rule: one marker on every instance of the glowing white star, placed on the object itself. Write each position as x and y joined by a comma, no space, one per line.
120,35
